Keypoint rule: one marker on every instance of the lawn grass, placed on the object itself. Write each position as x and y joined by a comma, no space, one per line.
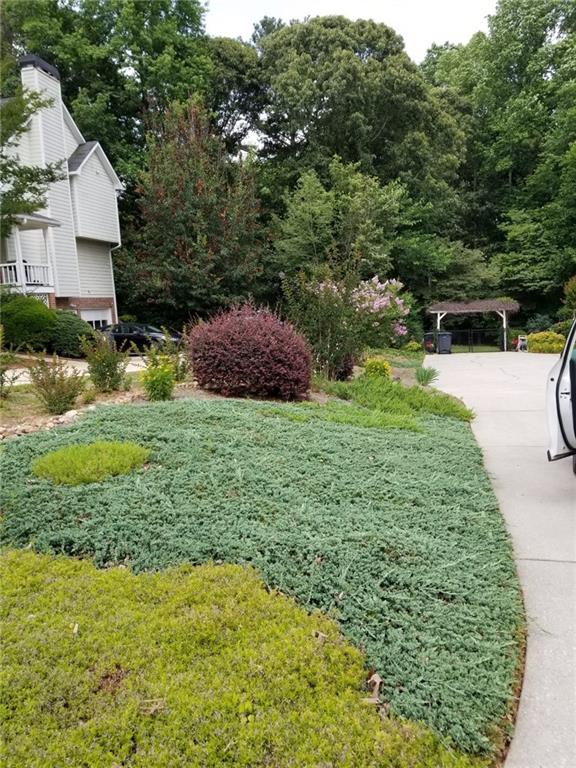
196,666
394,533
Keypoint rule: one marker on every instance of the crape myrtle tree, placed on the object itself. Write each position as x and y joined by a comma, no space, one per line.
197,245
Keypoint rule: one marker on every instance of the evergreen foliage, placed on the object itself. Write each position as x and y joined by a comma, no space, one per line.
416,567
130,654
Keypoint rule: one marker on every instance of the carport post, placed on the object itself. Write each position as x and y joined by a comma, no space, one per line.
439,317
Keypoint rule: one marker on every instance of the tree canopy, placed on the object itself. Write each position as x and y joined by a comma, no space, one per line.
458,175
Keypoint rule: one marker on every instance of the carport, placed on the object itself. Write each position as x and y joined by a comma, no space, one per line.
502,307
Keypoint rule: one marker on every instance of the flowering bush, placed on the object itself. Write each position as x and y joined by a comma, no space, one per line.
381,310
340,318
250,351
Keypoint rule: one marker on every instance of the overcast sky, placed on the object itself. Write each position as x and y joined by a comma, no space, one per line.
420,22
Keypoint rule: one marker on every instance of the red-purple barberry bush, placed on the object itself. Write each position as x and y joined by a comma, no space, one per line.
250,351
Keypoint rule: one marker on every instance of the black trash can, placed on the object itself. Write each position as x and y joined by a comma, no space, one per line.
430,342
444,343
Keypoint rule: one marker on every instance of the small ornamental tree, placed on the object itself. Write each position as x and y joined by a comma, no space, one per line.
196,247
342,317
250,351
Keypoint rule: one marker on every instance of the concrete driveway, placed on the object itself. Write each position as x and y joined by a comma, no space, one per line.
135,363
538,501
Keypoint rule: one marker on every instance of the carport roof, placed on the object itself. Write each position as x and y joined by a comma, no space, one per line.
474,307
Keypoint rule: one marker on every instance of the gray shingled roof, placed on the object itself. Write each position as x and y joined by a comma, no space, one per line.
79,155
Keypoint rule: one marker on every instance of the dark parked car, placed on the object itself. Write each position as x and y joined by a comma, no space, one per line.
127,335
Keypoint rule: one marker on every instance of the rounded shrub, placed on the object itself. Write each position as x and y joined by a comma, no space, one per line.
68,332
250,351
79,464
377,366
412,346
28,322
546,341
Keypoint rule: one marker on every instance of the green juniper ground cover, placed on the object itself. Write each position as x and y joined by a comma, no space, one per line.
394,533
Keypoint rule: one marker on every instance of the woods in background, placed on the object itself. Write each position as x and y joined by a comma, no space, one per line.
321,143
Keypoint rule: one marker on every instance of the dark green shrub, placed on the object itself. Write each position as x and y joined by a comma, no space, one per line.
28,322
56,385
79,464
538,323
68,332
563,327
106,364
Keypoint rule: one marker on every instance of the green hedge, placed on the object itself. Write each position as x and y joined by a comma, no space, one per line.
27,322
67,332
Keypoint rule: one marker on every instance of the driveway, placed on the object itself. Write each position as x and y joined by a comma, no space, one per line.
135,363
538,501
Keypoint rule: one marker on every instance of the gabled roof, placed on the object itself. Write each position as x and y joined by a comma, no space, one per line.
481,305
80,155
83,152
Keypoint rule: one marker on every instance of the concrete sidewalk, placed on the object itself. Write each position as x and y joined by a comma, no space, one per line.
538,501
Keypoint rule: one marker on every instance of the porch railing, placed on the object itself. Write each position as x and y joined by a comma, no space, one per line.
26,275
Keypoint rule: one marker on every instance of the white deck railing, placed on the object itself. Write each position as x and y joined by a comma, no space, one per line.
26,275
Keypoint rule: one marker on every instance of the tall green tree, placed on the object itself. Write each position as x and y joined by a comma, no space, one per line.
119,60
351,223
198,246
335,86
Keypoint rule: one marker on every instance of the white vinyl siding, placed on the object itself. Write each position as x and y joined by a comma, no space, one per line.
50,124
69,141
95,204
33,246
95,264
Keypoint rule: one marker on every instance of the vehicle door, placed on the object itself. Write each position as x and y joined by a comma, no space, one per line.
561,402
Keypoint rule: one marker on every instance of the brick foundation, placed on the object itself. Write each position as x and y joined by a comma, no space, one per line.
76,303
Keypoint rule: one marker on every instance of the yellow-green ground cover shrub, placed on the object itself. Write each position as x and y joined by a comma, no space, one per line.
378,366
78,464
546,341
394,533
195,667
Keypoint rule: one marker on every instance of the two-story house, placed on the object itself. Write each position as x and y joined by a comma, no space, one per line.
63,254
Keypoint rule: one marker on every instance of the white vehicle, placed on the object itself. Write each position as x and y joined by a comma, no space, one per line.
561,403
